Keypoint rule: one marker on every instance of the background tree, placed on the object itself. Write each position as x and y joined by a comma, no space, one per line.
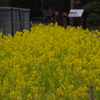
36,5
4,2
92,10
53,5
33,5
50,5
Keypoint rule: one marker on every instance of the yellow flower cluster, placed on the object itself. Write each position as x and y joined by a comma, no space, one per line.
50,63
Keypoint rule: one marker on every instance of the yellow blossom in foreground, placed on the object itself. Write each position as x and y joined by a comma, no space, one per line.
50,62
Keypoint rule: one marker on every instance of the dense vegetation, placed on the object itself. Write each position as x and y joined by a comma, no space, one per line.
50,63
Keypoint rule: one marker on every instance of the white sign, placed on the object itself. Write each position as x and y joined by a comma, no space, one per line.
75,12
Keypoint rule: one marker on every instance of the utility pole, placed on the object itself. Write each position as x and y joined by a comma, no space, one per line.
60,12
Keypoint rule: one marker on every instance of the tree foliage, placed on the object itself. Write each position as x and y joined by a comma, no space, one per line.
4,2
92,7
53,5
33,5
50,4
93,12
35,10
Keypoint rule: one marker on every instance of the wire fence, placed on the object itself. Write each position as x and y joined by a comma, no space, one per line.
14,19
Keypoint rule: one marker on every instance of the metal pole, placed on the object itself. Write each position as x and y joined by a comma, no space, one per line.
91,93
12,21
20,21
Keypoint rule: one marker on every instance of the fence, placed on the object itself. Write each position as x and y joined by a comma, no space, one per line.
14,19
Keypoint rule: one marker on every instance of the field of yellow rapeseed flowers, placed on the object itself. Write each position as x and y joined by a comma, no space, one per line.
50,63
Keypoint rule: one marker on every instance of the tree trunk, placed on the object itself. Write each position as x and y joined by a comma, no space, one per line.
60,11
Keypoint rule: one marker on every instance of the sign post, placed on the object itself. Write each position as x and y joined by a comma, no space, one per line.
76,14
76,21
